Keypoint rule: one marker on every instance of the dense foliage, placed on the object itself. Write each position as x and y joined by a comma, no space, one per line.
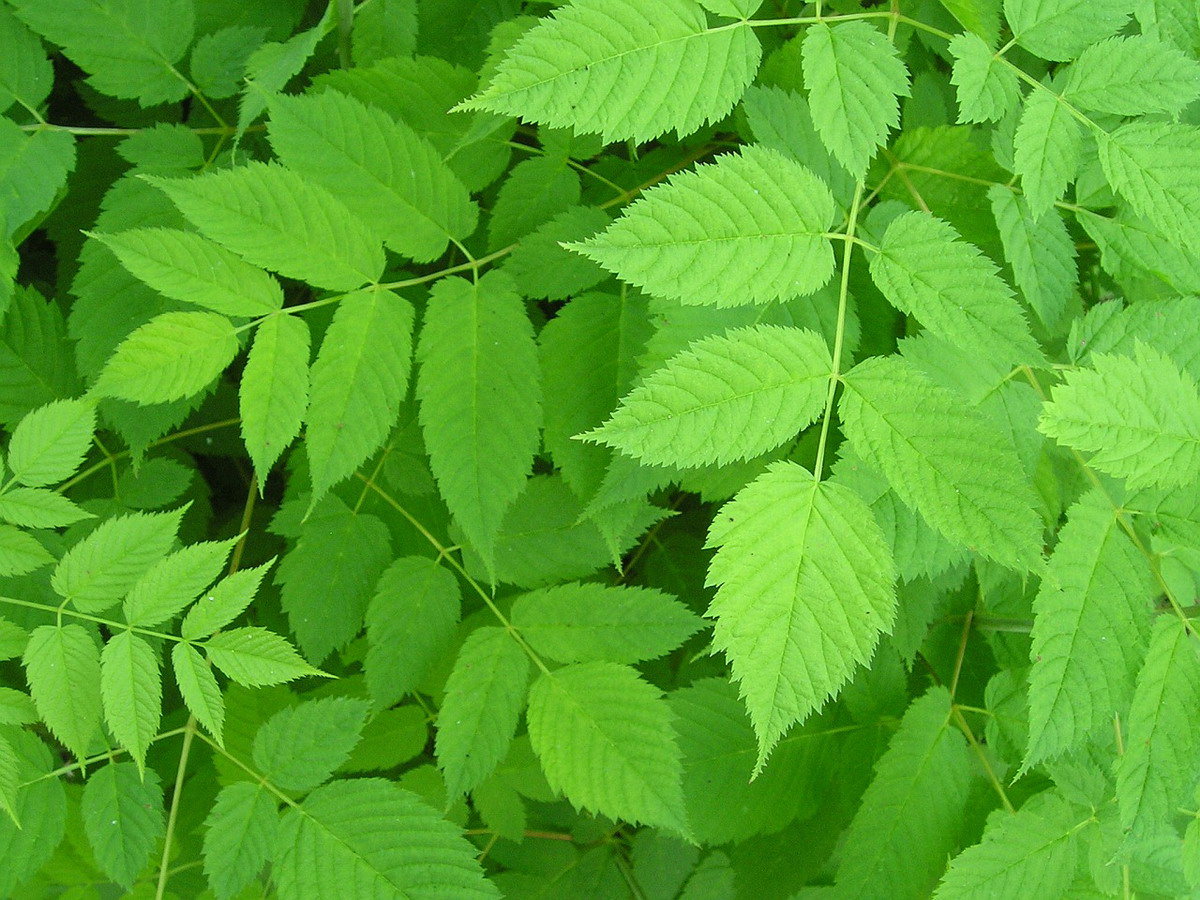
613,448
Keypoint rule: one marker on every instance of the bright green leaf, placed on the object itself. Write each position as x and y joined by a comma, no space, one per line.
33,169
49,444
131,687
1062,29
299,747
62,664
199,689
20,553
1130,76
224,602
1150,165
987,87
1040,251
39,508
174,581
253,656
274,390
1046,150
25,72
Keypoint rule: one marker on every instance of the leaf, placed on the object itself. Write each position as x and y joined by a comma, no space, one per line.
912,811
748,229
36,362
931,448
1091,618
253,657
367,838
192,269
1139,418
299,747
540,267
62,665
239,837
128,48
411,622
1130,243
1111,331
925,270
20,553
41,807
1046,150
1130,76
1062,29
480,396
25,72
49,444
623,70
573,623
224,602
10,771
535,190
1149,165
804,589
173,582
275,218
358,380
219,59
123,818
199,689
987,86
16,708
274,390
13,639
33,170
101,568
39,508
853,75
131,687
478,717
171,357
735,9
1040,251
385,173
604,739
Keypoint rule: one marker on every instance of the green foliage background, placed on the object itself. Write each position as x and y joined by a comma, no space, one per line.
614,448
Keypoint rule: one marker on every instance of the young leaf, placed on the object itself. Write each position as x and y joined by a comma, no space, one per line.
224,603
277,219
987,86
730,397
1046,149
299,747
1062,29
253,657
484,695
131,687
49,444
274,390
199,689
624,70
63,668
39,508
123,818
748,229
174,581
853,75
804,589
1040,251
604,739
1130,76
1150,165
171,357
239,836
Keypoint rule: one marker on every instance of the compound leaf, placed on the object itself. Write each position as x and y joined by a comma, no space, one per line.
131,688
299,747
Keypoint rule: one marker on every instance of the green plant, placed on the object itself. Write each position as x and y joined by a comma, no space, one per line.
607,448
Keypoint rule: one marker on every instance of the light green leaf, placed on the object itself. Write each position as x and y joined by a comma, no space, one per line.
33,169
1128,243
358,380
981,17
219,58
804,590
39,508
101,568
131,687
1130,76
853,75
299,747
199,689
390,177
20,553
605,740
174,581
16,707
595,622
62,665
239,837
624,70
274,390
171,357
931,447
1040,251
366,839
273,64
25,73
1151,166
1062,29
224,603
987,86
1046,149
1172,21
478,717
480,396
123,818
192,269
925,269
277,219
253,656
49,444
748,229
13,639
1139,418
1107,329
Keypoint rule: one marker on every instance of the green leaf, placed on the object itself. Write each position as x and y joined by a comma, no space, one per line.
277,219
595,622
624,70
253,656
41,807
16,708
1040,251
1091,619
192,269
25,72
1062,29
274,390
128,48
535,190
1046,149
173,582
1139,418
239,837
39,508
411,623
299,747
1109,330
605,740
853,75
730,397
912,812
484,695
925,270
199,689
13,639
224,602
171,357
480,396
33,169
1171,21
1150,165
987,86
358,380
101,568
735,9
982,17
131,687
10,773
50,443
62,665
36,362
385,173
1129,243
931,447
1130,76
20,553
748,229
366,839
804,589
540,267
219,59
123,818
